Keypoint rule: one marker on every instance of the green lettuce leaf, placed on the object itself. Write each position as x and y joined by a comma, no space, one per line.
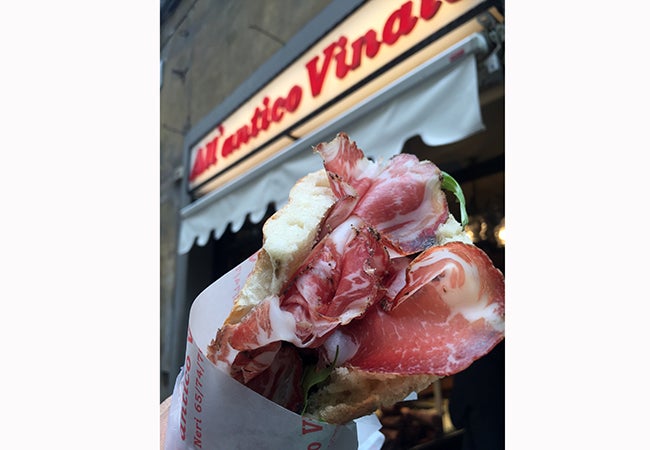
313,376
451,185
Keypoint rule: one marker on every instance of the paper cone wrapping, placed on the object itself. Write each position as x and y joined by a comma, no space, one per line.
211,410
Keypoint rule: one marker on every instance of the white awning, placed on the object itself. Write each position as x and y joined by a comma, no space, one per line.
438,101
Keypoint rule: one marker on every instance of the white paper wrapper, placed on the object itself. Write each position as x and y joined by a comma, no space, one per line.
211,410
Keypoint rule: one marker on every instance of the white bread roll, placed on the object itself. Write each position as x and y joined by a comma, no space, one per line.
288,237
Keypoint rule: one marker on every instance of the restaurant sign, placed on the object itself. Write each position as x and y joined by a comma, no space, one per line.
370,38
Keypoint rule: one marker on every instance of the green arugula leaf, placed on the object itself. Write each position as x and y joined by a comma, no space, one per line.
313,376
451,185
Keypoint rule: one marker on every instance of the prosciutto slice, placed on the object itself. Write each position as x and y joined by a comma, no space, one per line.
338,282
402,199
449,313
280,382
351,173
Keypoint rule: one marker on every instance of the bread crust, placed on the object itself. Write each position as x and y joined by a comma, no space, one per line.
351,393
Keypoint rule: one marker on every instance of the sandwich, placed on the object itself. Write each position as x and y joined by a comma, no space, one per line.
365,290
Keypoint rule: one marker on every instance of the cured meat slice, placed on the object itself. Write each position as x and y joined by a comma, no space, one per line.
249,347
338,282
405,204
462,274
402,199
350,172
338,213
280,382
396,279
341,278
449,313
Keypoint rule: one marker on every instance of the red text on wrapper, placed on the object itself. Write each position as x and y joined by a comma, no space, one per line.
184,398
196,402
310,427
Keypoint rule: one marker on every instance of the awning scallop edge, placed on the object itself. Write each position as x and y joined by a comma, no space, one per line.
438,101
